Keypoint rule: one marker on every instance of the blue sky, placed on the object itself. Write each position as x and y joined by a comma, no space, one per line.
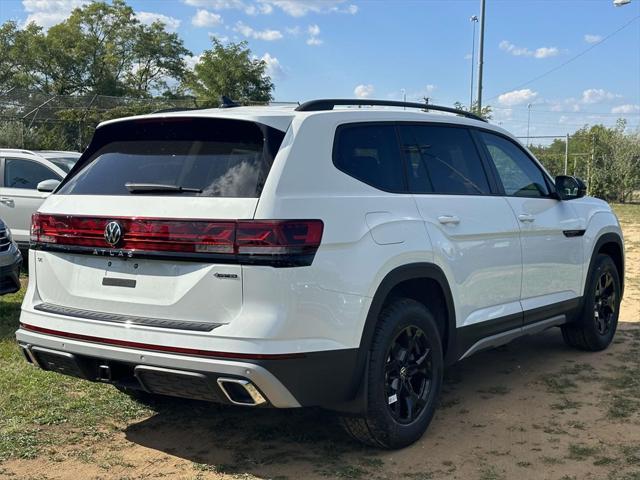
378,49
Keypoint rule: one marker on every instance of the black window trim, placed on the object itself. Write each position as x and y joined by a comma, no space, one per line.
490,174
3,163
547,178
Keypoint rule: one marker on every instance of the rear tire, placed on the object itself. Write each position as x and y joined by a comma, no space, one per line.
596,324
404,377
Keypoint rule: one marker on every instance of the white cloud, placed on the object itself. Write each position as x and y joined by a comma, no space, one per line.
300,8
204,18
314,35
517,97
274,67
217,36
294,8
597,95
148,18
590,38
47,13
542,52
266,35
219,4
627,108
363,91
192,60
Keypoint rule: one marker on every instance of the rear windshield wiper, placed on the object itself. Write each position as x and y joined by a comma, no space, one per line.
159,187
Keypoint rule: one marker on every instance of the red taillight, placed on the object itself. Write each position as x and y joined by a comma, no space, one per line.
281,242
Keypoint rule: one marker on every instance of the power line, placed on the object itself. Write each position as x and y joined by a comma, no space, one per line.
575,57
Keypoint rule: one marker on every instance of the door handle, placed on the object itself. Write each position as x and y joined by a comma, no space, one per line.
526,218
448,219
7,201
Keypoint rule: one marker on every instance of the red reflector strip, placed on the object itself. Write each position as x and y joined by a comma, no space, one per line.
163,348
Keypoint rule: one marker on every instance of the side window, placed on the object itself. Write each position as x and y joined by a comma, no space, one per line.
26,174
370,153
520,176
442,160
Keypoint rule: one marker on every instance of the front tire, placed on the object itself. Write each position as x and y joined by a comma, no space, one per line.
404,377
596,325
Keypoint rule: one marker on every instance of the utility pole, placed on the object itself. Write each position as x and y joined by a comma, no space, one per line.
528,121
566,154
481,54
474,20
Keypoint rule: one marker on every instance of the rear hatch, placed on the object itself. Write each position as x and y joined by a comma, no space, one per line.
144,228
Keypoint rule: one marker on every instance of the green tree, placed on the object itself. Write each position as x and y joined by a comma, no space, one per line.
100,49
158,57
485,112
232,71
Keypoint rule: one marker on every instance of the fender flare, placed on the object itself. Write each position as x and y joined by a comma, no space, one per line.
411,271
609,237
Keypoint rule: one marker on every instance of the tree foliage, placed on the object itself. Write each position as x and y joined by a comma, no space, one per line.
230,70
608,159
101,48
485,112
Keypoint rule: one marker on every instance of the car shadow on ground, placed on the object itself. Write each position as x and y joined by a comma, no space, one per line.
266,441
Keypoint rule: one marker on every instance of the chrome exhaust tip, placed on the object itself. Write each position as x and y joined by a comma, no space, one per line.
241,392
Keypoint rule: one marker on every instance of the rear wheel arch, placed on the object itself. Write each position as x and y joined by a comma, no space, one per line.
424,282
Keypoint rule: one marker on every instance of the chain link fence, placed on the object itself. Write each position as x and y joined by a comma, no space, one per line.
35,121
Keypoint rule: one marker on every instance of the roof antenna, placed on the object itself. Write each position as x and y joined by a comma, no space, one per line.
226,102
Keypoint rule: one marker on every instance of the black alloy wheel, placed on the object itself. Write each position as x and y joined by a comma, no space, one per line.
408,374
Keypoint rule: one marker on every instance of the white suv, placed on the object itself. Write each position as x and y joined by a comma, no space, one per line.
312,256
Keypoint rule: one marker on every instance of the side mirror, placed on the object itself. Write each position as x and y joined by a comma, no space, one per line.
569,187
47,186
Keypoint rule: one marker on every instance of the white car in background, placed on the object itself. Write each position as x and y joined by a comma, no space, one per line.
26,179
63,159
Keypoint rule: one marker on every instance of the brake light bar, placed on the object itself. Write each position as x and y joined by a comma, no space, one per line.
269,242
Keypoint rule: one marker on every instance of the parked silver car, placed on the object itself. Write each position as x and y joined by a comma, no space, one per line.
26,179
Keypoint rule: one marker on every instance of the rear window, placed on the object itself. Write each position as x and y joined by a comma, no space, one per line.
204,157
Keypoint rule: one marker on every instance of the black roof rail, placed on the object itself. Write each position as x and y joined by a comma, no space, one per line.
328,104
178,109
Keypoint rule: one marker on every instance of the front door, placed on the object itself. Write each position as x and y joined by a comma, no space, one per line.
549,228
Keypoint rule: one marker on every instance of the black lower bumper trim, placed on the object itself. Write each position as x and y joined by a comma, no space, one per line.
126,319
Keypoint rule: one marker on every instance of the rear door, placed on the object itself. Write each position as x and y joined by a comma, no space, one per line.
173,187
550,247
473,231
19,198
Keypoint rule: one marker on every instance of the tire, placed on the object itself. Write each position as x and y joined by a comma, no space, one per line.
393,377
596,324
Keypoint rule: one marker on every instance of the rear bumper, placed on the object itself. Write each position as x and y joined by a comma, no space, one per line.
156,372
326,379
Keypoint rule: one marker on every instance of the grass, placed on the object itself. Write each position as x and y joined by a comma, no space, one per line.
39,408
627,213
579,451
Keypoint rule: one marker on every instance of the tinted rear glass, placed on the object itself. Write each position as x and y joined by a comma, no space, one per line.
370,153
221,158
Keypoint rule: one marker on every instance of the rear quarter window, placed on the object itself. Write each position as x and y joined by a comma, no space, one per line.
207,157
371,154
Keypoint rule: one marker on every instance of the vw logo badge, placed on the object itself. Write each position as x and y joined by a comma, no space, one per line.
113,233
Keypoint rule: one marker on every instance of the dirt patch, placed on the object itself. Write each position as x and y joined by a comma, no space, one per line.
532,409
